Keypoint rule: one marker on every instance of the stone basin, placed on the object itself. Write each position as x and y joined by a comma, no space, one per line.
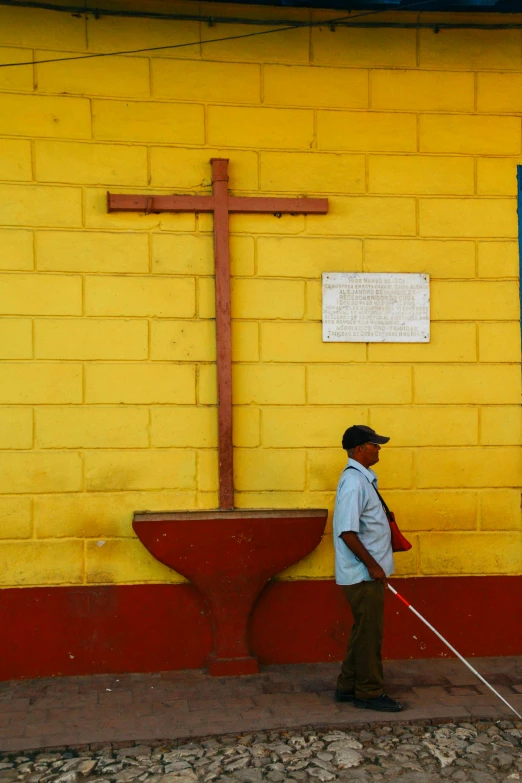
230,555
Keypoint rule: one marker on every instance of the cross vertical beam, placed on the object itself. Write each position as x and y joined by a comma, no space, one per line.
223,332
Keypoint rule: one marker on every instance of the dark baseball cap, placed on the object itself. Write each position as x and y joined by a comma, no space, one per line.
358,434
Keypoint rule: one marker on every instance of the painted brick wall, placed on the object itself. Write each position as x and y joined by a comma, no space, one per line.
107,384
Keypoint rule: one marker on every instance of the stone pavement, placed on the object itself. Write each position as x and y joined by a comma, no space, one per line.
123,708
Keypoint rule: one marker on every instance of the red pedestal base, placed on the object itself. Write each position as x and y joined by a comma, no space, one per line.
230,556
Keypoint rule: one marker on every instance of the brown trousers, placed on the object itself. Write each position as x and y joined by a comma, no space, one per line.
361,670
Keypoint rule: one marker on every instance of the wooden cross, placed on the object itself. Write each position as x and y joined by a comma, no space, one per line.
221,204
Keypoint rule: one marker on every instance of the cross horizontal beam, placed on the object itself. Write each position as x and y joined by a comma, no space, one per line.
292,206
126,203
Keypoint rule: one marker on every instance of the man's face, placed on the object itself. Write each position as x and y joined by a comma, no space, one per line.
369,454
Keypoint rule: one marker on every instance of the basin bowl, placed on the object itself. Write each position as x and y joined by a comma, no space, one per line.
230,555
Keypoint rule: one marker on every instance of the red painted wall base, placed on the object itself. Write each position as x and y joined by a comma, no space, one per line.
139,628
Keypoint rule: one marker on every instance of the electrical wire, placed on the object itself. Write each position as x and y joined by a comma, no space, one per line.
293,26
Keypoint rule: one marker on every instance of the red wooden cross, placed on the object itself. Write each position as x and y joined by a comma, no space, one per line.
221,204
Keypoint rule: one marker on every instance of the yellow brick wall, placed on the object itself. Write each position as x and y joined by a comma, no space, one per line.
107,379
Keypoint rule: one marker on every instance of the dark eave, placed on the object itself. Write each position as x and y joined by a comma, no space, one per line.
497,6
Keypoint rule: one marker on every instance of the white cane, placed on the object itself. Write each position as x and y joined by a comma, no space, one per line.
453,650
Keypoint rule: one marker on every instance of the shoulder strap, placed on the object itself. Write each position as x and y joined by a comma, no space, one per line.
385,507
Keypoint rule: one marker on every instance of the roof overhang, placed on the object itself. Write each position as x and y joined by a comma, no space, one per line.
498,6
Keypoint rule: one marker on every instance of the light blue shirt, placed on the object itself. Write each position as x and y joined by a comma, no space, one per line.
359,510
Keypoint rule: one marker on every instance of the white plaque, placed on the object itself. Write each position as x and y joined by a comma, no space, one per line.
361,307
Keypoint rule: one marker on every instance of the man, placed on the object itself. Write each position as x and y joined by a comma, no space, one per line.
363,561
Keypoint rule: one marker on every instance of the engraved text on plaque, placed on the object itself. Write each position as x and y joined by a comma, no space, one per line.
376,307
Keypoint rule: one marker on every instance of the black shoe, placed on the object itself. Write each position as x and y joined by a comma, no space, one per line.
344,696
380,703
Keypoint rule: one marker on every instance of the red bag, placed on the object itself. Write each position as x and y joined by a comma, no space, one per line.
398,541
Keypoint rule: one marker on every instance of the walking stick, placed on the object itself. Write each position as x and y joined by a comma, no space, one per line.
453,650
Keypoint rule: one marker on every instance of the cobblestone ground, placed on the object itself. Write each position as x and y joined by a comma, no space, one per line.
478,752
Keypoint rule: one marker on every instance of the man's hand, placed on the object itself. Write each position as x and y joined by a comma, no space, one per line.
377,573
354,545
